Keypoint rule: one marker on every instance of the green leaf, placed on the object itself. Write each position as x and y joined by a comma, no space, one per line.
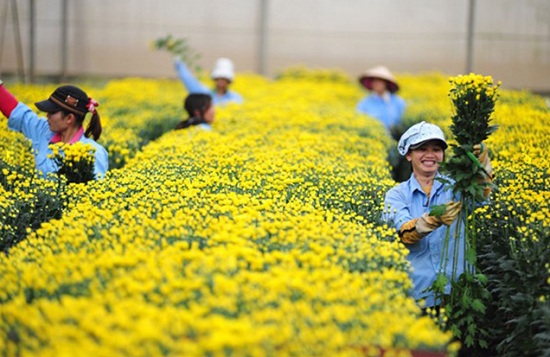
438,210
477,305
481,278
471,256
440,282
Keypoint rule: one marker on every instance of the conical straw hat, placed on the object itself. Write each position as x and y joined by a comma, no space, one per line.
380,72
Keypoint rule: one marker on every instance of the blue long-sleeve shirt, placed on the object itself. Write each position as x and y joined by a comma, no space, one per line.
388,110
194,86
24,120
427,257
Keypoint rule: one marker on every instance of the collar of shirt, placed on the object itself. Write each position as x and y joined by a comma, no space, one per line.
57,137
436,186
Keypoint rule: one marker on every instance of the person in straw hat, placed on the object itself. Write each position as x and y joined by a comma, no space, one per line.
382,103
65,109
222,74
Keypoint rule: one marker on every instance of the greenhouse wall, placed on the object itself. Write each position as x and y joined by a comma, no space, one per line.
510,39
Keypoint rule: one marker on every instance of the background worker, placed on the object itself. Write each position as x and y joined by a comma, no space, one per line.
385,105
382,102
223,76
200,109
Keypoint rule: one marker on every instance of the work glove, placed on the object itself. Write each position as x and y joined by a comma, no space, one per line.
426,223
452,211
482,154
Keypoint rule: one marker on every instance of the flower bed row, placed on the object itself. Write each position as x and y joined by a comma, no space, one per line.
261,238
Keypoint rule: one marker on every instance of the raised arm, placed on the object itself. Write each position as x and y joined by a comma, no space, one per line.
7,101
188,79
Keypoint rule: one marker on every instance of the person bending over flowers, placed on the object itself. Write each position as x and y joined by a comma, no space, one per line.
408,205
65,109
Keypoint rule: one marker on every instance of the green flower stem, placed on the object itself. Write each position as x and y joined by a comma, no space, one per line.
473,233
456,250
439,293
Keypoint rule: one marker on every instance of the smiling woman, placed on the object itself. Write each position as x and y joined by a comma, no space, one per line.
426,158
66,110
408,208
424,147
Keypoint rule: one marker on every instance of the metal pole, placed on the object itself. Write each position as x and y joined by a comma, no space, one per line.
18,45
64,45
3,23
32,40
262,45
470,37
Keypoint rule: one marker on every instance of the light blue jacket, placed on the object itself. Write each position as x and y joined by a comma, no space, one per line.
389,111
408,201
24,120
194,86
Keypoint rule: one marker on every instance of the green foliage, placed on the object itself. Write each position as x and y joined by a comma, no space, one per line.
473,98
33,203
162,123
467,172
438,210
513,254
467,310
178,47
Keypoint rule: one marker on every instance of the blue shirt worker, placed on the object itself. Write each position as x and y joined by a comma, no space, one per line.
65,109
408,205
382,103
223,76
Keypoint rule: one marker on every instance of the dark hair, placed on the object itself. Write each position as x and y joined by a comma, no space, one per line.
72,100
195,102
94,128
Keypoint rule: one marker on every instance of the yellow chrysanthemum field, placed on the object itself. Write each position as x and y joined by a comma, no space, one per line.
260,238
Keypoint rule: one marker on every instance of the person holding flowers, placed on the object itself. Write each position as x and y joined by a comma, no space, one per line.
409,208
65,109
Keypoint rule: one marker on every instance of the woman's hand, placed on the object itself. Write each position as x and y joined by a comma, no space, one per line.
453,208
482,154
426,223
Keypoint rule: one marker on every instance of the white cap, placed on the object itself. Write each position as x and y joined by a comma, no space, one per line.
418,134
223,69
